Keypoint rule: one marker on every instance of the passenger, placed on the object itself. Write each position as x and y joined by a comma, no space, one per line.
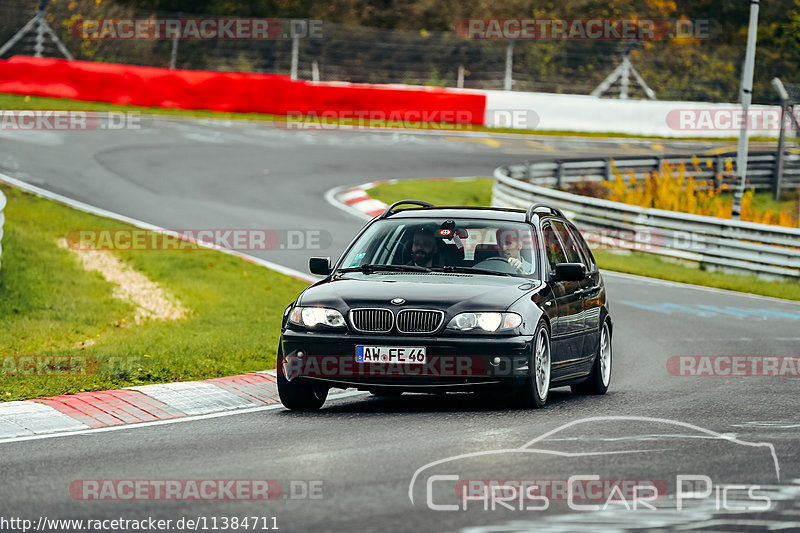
510,246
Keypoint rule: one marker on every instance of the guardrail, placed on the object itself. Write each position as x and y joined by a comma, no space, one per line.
761,169
732,245
2,219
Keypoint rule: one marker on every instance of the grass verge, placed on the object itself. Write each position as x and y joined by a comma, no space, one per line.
51,307
471,192
478,192
16,101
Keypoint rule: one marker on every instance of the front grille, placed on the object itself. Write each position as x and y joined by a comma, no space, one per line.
371,320
419,321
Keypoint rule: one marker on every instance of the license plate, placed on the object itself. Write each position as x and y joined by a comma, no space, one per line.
390,354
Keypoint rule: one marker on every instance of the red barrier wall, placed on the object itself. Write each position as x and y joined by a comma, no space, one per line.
225,91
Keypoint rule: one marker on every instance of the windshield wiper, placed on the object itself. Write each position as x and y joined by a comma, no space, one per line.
471,270
369,268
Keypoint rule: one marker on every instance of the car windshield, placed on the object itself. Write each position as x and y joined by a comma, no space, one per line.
436,244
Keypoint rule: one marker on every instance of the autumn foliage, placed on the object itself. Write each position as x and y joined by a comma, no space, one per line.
674,188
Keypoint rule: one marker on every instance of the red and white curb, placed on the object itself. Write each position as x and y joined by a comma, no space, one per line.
357,201
148,403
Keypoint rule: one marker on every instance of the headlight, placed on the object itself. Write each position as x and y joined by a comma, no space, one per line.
489,322
315,316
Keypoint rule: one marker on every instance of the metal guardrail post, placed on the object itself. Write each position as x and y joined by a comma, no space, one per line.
785,103
527,170
719,171
560,175
779,155
608,168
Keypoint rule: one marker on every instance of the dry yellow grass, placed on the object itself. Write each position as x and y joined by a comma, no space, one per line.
675,189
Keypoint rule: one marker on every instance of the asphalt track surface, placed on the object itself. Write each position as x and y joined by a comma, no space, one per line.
372,457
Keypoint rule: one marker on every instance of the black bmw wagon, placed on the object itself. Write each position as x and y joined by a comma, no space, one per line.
438,299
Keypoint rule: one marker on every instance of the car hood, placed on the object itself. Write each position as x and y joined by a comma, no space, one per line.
445,291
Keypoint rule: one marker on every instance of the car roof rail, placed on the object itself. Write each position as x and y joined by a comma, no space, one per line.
534,207
391,209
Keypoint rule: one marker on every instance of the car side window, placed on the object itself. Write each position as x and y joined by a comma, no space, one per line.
553,247
570,247
588,258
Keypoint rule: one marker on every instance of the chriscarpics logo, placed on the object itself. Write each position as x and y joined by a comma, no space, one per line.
609,469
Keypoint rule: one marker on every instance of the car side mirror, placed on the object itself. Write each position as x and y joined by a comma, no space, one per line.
570,272
320,265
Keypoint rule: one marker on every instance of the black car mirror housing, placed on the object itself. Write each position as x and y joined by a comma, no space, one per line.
320,265
570,272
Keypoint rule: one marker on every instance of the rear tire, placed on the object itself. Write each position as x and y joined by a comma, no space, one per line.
537,386
600,378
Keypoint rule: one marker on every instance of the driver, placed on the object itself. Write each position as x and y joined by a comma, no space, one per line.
424,247
509,244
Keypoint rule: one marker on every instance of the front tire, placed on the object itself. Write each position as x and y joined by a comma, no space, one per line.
299,396
296,395
598,381
537,386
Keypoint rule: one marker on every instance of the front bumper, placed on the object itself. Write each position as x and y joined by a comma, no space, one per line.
454,363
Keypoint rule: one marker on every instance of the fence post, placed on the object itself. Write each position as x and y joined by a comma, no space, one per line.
660,166
173,55
295,53
314,71
776,190
460,78
608,168
509,63
38,48
559,174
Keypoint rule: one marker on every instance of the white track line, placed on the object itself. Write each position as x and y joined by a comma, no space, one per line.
656,281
